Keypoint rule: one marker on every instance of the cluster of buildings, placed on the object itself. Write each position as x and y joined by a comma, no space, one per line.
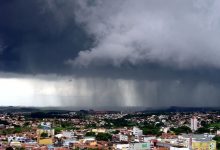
91,133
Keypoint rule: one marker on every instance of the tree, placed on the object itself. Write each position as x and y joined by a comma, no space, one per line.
103,136
151,129
182,129
217,139
115,132
202,130
90,134
9,148
44,135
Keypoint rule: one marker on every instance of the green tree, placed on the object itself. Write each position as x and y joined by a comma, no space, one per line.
182,129
103,136
115,132
44,135
217,139
90,134
203,130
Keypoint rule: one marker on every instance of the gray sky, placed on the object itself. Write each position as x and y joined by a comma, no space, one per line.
110,53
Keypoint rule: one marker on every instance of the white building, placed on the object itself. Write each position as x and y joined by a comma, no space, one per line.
121,146
46,124
177,148
68,134
149,138
194,123
123,138
218,132
137,132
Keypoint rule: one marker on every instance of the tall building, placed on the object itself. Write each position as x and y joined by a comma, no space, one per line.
194,123
137,132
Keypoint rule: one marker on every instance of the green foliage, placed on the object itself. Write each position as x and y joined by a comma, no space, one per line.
115,132
26,124
121,122
160,124
103,136
44,135
18,130
90,134
182,129
203,130
63,126
58,130
217,139
150,129
14,130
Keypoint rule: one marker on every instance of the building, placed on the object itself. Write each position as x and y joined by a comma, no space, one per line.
218,132
45,134
121,146
178,148
99,130
194,123
198,141
68,134
137,132
140,146
204,144
123,138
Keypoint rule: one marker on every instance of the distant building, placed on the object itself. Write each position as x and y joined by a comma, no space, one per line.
178,148
99,130
45,124
218,132
2,126
194,124
123,138
120,146
137,132
45,134
198,141
68,134
140,146
204,144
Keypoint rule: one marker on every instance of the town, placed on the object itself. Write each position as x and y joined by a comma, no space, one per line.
90,129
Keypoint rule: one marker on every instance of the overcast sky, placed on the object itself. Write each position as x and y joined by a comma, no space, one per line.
95,53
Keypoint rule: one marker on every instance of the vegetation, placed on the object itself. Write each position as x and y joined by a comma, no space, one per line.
90,134
63,126
14,130
208,128
182,129
121,122
203,130
217,139
58,130
44,135
103,137
115,132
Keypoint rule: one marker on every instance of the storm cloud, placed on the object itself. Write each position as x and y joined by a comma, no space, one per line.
176,33
110,53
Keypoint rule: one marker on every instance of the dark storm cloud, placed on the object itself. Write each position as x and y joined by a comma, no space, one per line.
39,39
182,34
108,53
